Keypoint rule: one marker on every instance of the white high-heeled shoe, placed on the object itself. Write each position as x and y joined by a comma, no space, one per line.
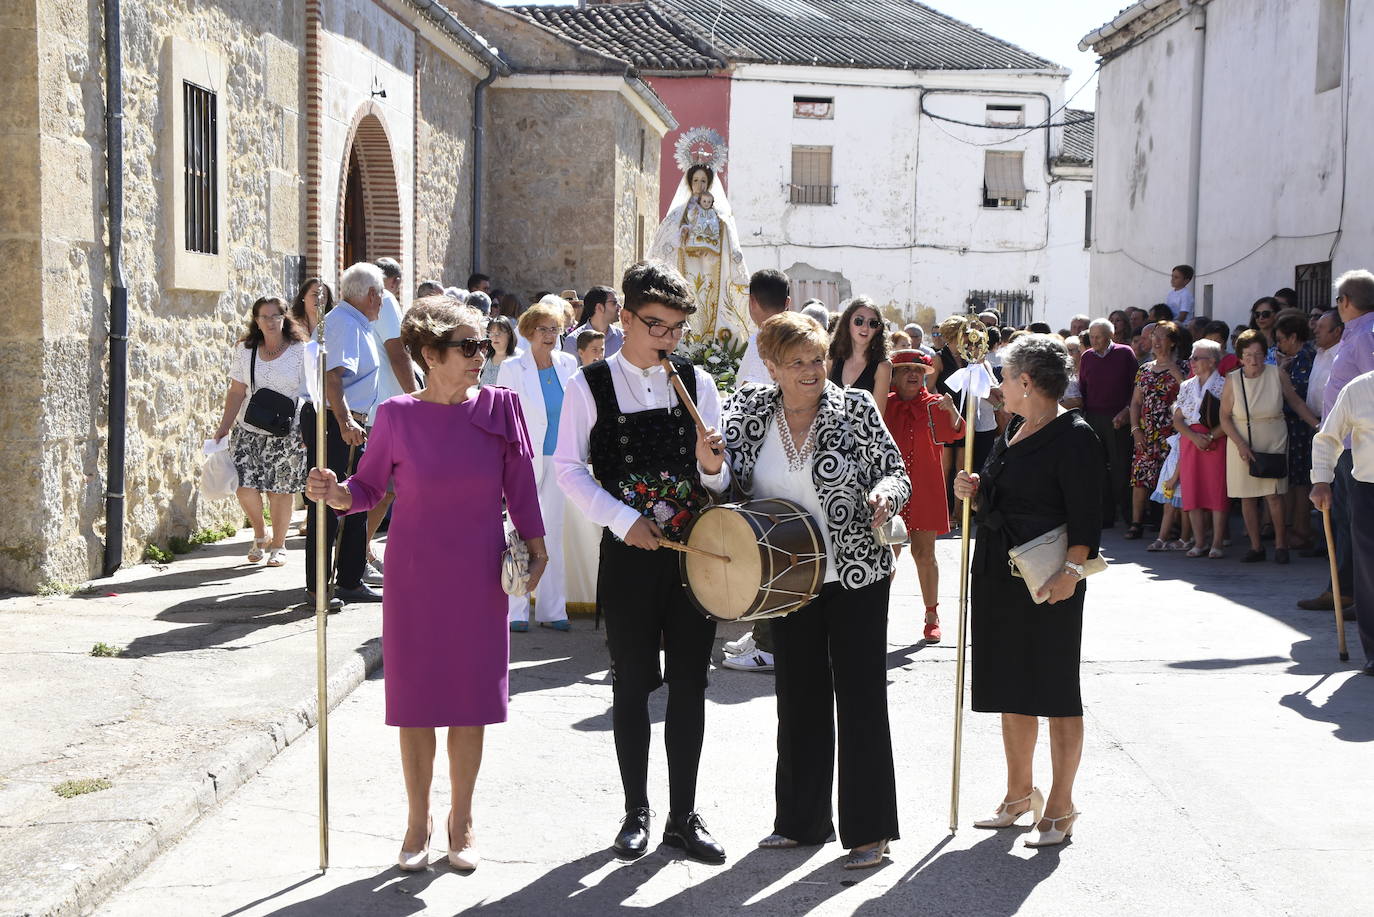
1003,818
416,860
1053,836
464,858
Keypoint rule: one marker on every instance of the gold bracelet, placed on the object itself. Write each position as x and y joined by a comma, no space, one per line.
539,557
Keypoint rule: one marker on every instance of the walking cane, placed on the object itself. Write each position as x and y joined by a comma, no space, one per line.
965,335
1335,586
323,594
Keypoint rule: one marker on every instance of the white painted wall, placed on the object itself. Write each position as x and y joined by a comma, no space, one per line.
1271,168
361,41
908,227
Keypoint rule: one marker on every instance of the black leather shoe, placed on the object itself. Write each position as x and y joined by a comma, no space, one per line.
633,839
334,604
688,833
358,594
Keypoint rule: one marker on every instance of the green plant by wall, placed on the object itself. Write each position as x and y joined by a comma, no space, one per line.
152,554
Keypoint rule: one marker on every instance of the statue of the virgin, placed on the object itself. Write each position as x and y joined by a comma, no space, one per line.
698,237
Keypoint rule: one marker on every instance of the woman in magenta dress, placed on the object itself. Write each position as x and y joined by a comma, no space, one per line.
454,450
921,421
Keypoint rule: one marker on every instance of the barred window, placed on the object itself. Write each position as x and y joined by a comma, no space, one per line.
202,190
811,177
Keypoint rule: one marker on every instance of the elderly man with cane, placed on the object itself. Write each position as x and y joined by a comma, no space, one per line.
1352,417
350,388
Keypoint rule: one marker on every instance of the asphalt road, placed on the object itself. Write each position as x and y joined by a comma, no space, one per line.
1226,772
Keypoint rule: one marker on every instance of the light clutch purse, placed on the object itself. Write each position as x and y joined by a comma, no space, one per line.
1042,557
893,531
515,563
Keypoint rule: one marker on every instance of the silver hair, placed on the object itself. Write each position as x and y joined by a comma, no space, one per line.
480,301
1044,358
916,331
1103,324
1358,287
358,280
1207,348
455,293
1080,317
818,314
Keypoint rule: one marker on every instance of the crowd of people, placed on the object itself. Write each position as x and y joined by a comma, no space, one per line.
470,414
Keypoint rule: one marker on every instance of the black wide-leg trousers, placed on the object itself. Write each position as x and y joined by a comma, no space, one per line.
831,666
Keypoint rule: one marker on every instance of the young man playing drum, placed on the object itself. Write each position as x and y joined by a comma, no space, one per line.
630,457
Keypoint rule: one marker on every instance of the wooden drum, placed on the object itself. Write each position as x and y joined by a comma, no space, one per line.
776,560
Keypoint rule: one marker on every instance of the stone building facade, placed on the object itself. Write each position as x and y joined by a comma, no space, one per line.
328,130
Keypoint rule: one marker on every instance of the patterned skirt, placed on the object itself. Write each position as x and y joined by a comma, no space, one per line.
274,464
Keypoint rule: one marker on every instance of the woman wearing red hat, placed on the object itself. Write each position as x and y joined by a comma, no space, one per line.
921,421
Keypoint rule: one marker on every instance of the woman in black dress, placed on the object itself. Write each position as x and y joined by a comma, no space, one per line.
1045,471
858,350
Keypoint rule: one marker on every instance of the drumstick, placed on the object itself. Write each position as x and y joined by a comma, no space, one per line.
682,395
688,549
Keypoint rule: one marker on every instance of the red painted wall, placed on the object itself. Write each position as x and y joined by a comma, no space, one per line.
696,101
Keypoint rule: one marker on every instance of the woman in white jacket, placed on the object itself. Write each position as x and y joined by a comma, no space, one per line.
539,376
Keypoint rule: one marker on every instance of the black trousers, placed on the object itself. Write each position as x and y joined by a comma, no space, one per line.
1119,449
353,548
1362,551
830,660
646,607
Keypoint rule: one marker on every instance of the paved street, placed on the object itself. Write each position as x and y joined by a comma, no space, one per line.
1225,771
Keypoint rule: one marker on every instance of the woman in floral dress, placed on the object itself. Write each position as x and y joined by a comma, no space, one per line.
1152,406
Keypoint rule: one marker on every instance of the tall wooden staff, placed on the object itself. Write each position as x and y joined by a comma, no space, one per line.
323,593
1335,587
967,337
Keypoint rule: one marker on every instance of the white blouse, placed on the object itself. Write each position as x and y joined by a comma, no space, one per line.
1189,402
773,479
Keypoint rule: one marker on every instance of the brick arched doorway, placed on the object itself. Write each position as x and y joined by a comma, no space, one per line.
369,219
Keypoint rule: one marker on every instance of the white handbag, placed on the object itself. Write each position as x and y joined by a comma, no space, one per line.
515,563
1037,560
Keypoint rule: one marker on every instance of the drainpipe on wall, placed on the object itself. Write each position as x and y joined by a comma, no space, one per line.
1199,16
479,149
119,295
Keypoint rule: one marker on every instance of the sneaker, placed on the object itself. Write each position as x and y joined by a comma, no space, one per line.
371,574
741,646
756,661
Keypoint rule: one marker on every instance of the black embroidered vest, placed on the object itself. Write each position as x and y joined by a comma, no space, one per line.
647,459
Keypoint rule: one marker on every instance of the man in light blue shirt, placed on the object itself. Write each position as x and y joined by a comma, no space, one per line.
600,312
350,385
396,377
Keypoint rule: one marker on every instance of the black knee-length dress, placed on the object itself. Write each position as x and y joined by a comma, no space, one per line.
1026,656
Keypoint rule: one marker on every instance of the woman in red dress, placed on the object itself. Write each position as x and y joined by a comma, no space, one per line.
920,421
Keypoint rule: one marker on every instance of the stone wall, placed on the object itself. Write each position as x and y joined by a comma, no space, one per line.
443,176
637,152
550,192
179,340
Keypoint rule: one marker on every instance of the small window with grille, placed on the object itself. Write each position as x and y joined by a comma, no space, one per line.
200,169
1313,284
811,175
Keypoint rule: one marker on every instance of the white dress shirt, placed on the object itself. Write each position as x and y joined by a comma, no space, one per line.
1350,418
636,390
1321,374
751,366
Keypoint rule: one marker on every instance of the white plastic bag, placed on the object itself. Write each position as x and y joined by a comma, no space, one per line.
218,476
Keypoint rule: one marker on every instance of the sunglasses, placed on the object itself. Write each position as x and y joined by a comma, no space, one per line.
1263,313
470,346
860,321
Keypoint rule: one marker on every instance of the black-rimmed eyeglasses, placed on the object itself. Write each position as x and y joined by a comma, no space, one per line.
658,329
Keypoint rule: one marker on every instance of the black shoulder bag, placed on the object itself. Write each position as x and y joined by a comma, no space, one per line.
1262,464
268,410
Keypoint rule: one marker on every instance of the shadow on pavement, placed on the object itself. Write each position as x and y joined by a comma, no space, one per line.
1004,881
577,889
389,892
214,622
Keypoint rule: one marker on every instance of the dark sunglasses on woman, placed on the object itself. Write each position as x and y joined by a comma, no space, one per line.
860,321
1263,313
470,346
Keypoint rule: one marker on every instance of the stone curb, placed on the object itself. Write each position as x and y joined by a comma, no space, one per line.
179,806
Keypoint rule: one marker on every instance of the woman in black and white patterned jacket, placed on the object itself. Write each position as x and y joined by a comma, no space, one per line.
809,441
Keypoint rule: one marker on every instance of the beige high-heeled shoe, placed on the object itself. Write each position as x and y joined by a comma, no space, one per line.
1053,836
464,858
1003,818
416,860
